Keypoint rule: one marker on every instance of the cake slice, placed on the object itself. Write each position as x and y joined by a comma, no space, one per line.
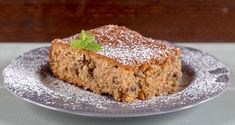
128,67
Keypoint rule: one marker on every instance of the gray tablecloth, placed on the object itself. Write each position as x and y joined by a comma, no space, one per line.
219,111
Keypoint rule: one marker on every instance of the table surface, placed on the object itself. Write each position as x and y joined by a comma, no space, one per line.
219,111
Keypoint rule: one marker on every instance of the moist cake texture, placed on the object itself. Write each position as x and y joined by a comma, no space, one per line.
128,67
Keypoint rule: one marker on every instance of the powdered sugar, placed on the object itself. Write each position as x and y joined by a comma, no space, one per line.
127,46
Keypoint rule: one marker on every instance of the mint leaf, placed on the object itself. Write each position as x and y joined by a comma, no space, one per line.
94,46
74,43
82,44
86,41
90,39
83,35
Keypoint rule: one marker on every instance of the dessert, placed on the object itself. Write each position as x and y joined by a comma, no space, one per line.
128,66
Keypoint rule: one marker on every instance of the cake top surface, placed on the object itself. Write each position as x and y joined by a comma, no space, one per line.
127,46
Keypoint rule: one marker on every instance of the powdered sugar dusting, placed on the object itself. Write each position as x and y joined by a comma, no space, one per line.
127,46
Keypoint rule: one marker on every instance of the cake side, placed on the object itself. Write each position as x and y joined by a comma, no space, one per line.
89,71
101,75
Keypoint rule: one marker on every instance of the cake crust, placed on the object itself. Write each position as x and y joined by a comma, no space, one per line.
128,67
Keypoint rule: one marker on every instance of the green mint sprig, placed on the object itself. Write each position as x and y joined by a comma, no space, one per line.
86,41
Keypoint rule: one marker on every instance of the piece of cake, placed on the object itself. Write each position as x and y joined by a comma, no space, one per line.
128,67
